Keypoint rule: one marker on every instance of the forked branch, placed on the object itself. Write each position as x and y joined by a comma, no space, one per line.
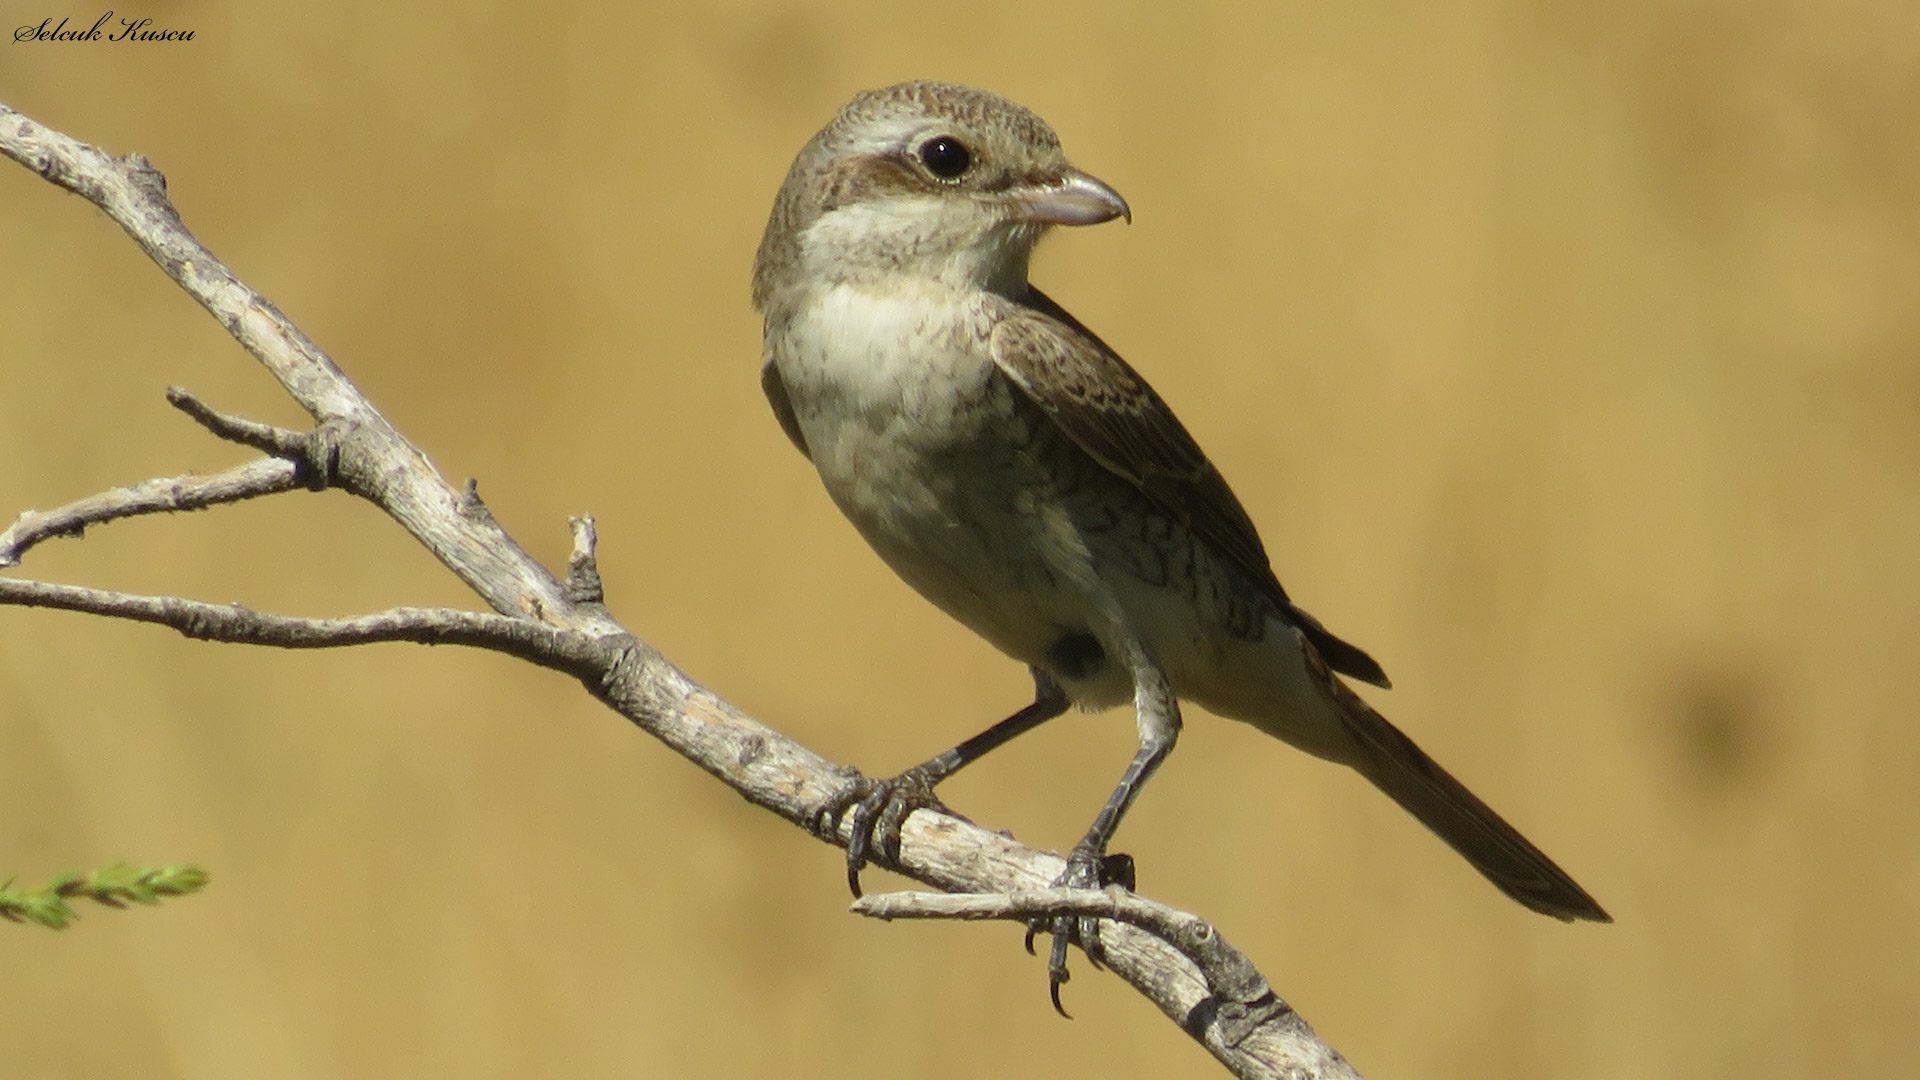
1174,959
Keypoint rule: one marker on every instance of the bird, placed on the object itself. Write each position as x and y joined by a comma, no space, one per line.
1009,466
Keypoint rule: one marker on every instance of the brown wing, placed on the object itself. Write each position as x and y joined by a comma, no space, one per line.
1106,408
776,390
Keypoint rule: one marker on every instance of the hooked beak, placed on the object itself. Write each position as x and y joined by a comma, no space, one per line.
1074,199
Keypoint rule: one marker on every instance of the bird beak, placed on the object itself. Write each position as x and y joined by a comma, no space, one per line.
1074,199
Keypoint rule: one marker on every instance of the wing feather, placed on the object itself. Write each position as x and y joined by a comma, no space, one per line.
1109,411
772,385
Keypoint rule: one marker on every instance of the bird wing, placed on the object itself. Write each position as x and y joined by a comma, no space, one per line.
775,388
1106,408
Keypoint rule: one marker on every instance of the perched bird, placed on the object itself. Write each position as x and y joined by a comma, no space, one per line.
1016,472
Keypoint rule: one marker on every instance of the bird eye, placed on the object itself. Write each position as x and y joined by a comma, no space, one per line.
945,156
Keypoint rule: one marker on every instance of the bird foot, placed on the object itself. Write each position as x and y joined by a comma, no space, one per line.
1087,868
875,810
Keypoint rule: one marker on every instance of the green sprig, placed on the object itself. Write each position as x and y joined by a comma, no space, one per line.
115,886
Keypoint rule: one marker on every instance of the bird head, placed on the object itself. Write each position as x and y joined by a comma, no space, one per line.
926,182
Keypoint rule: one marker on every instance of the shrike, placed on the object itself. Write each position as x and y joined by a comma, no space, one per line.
1012,468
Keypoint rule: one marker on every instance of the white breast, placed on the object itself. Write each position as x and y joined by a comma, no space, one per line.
908,353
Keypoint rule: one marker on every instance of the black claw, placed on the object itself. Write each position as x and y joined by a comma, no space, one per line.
878,809
860,842
1057,959
826,824
1090,943
1057,973
887,826
1085,870
1053,991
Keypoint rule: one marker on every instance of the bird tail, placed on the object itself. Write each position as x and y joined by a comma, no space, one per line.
1425,790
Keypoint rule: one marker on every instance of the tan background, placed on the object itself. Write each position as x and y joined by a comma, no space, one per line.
1565,353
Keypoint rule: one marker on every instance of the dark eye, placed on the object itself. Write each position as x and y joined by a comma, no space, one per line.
945,156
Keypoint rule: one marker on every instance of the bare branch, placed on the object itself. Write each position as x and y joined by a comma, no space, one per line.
262,476
374,460
245,626
1229,975
565,625
1241,1004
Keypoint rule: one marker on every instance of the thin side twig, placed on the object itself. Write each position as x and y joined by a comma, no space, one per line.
266,438
1241,1003
1229,974
166,495
240,625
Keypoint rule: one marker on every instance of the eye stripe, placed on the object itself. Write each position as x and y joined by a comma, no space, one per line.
869,177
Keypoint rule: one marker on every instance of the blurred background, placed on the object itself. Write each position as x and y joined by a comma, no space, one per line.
1568,356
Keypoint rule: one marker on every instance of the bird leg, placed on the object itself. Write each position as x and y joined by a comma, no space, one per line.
1089,866
880,807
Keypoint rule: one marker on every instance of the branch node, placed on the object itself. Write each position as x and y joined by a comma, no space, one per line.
142,170
320,457
316,453
583,570
1235,1020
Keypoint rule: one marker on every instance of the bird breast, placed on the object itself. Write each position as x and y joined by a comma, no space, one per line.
937,459
888,388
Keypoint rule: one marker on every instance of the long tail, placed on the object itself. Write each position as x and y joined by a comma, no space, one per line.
1495,848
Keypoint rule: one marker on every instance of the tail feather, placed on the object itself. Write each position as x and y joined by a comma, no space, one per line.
1401,769
1343,657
